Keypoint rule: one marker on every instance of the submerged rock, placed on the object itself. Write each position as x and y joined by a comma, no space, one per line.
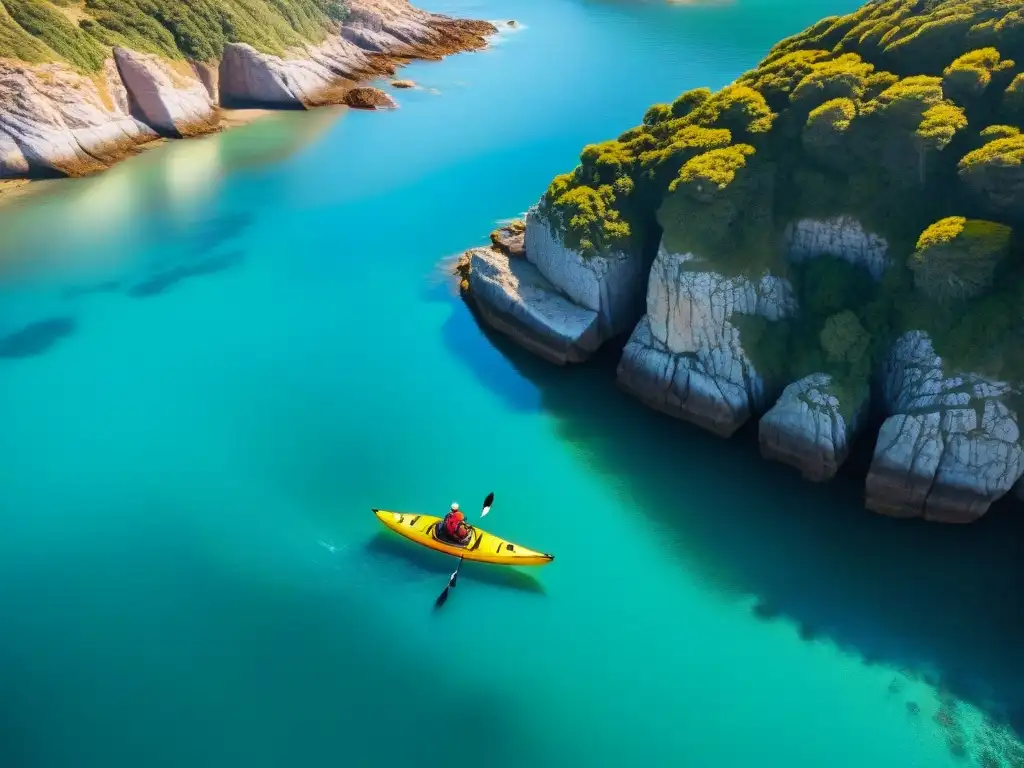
952,446
167,100
513,297
685,358
807,428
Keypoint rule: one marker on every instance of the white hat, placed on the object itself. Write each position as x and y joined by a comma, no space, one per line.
455,505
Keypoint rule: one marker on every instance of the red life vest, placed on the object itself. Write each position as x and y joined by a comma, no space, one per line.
452,522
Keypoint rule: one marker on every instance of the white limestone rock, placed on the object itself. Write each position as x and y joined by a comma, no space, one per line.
612,285
685,357
248,77
806,427
952,446
387,27
513,297
55,121
843,237
171,102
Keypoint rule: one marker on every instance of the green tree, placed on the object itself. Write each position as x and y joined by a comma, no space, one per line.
995,174
1013,100
826,132
967,78
956,258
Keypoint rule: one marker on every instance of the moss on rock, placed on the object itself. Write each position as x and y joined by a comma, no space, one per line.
900,115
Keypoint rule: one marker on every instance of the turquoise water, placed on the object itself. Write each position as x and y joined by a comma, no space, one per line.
221,354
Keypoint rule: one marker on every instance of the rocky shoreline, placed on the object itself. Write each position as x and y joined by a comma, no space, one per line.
948,449
834,236
56,122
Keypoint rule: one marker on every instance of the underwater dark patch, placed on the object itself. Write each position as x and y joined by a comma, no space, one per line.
37,338
167,279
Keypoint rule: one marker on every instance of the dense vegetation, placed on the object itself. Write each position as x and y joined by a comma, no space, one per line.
905,115
80,32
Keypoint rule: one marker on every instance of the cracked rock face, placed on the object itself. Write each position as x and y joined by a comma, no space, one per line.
513,297
611,285
952,446
685,358
55,121
843,237
806,428
171,102
248,77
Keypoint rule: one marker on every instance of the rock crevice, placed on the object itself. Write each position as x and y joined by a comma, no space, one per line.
685,357
952,445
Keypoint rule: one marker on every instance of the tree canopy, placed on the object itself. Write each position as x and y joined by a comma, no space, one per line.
905,115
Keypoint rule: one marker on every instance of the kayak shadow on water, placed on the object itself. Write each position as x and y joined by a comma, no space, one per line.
938,603
434,563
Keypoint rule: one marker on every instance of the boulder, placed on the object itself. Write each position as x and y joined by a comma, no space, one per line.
807,428
365,97
685,358
511,239
169,101
951,447
55,121
610,284
513,297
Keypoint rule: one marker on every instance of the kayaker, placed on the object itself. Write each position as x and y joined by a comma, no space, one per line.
455,527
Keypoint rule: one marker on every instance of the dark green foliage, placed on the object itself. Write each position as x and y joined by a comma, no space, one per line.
826,285
44,22
1013,100
826,131
844,327
196,29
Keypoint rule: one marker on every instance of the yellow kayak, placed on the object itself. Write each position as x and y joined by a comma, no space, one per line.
482,547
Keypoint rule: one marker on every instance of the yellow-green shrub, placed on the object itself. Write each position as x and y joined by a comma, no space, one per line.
956,258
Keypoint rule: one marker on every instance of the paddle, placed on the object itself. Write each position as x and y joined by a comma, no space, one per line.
455,574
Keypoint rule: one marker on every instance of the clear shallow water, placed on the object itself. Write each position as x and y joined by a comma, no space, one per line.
220,355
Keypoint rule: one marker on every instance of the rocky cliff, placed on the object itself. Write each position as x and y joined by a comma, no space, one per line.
838,231
686,356
77,96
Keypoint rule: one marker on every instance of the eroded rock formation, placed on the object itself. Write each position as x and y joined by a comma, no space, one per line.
685,357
